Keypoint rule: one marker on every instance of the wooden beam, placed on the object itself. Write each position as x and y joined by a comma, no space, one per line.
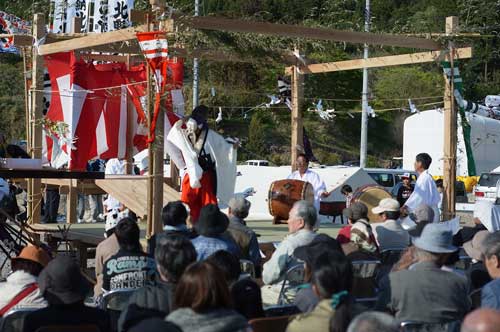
97,39
384,61
296,31
450,131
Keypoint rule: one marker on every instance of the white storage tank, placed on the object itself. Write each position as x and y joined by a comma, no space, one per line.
424,132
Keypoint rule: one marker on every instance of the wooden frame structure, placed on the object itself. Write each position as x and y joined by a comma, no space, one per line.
124,42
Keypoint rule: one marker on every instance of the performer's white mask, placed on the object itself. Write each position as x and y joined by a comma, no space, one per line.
191,126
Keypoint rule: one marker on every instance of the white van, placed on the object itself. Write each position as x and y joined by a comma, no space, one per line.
389,178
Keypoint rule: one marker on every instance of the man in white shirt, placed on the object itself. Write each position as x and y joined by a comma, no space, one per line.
425,191
303,173
389,233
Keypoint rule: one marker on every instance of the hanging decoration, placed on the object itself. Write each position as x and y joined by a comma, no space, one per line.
326,115
466,128
413,108
91,101
10,24
154,46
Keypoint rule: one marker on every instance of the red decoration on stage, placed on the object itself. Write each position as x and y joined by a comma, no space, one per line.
154,45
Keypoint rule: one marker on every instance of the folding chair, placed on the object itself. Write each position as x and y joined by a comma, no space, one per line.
365,279
114,302
69,328
281,310
12,321
294,277
412,326
475,298
391,256
247,267
270,324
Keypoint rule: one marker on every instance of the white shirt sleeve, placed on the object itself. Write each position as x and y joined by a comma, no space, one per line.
273,268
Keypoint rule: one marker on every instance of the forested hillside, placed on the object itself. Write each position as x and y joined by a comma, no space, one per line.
241,86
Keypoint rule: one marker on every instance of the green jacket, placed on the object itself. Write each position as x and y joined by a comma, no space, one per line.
317,320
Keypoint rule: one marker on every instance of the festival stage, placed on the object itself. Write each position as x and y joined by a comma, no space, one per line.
93,233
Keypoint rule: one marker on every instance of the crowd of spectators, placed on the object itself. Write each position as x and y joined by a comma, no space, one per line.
192,280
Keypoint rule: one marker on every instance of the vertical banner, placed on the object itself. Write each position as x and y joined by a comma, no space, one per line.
59,23
154,46
119,14
100,16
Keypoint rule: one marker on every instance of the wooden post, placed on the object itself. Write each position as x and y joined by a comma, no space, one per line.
450,131
35,185
76,24
158,175
150,198
72,202
129,163
297,125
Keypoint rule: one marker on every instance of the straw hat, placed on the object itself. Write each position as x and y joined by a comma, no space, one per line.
34,254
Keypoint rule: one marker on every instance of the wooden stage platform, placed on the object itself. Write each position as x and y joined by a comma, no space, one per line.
93,233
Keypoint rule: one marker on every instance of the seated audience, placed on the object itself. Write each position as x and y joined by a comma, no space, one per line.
466,233
476,273
130,267
302,218
389,234
332,278
422,215
424,292
356,212
173,254
228,263
372,321
247,298
104,251
173,216
362,245
203,302
482,320
155,324
65,288
306,299
490,294
245,237
211,226
21,288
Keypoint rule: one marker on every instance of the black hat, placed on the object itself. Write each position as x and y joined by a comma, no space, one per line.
356,211
212,222
320,244
61,281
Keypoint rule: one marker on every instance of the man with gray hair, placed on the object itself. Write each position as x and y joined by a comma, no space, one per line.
490,293
372,321
301,221
424,292
242,235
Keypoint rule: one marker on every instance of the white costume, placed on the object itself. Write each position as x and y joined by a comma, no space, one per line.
114,166
185,156
425,192
313,178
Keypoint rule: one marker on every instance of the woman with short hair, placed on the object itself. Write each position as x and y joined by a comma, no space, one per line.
203,302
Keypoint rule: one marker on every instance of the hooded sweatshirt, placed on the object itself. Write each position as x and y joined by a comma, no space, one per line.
218,320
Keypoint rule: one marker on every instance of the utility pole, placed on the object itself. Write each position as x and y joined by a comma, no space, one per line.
364,112
196,65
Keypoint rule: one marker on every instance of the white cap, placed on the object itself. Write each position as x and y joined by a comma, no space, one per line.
406,175
387,204
112,218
